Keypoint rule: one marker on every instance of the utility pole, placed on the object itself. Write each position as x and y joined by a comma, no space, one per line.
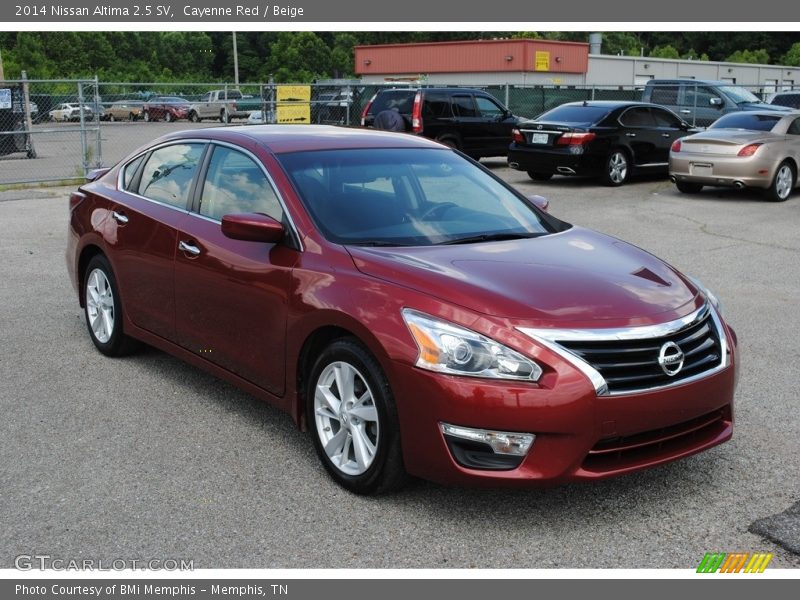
235,62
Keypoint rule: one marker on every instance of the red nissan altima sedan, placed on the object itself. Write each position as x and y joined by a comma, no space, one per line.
412,311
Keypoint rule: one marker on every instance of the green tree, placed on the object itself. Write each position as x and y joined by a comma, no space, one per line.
759,57
299,57
792,57
664,52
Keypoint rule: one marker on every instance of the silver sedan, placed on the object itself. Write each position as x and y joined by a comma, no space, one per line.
743,149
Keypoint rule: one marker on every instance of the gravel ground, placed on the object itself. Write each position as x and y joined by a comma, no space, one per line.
146,457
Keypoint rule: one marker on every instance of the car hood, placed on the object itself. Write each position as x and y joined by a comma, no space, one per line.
762,106
577,275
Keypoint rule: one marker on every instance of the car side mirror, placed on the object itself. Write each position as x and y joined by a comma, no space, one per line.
252,227
716,102
541,202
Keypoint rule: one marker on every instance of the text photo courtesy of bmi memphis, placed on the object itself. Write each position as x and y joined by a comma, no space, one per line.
315,298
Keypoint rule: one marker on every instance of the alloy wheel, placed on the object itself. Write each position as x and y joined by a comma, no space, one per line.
346,418
617,168
100,305
784,180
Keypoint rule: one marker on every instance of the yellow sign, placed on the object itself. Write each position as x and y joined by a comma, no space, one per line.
542,61
294,103
294,93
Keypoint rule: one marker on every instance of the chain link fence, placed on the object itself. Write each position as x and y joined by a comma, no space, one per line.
58,130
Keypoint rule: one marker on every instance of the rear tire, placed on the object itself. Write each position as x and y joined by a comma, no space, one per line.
783,183
103,309
536,176
352,417
450,141
686,187
146,116
168,117
616,169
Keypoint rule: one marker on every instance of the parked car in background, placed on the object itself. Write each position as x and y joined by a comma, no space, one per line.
70,112
701,102
788,99
752,149
604,139
165,108
121,110
469,120
417,314
216,104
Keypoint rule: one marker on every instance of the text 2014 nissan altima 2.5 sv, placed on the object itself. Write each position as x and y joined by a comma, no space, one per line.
415,313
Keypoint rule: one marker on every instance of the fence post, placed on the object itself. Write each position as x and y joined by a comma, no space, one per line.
507,95
349,104
97,108
84,142
26,98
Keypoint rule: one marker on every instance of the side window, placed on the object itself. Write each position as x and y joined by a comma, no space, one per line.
168,173
488,108
206,97
665,119
664,94
638,116
794,128
699,96
129,173
463,106
236,184
437,106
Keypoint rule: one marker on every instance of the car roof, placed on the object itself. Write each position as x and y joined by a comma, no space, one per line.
298,138
608,103
691,81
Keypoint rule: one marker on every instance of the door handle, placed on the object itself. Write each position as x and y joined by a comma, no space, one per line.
686,111
189,248
631,134
666,135
119,217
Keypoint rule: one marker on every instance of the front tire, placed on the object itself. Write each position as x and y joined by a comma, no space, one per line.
146,117
686,187
193,117
616,169
782,184
103,309
168,117
352,417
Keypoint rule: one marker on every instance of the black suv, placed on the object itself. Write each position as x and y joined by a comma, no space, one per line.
466,119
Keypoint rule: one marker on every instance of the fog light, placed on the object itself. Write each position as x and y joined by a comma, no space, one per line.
501,442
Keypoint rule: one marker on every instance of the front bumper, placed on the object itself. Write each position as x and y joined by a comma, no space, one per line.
579,435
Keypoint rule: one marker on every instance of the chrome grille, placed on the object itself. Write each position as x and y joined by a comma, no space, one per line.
631,365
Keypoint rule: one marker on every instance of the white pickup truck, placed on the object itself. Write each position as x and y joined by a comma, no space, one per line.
217,104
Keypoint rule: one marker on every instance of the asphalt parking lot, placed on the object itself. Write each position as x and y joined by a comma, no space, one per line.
146,457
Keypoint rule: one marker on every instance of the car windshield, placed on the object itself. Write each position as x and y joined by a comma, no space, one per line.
739,94
571,113
746,120
408,197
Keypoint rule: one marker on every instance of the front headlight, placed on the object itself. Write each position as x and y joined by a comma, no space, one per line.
448,348
710,296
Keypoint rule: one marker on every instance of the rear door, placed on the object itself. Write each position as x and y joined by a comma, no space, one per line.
638,132
498,124
231,295
144,230
669,128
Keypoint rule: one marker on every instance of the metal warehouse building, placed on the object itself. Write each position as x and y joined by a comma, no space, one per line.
550,63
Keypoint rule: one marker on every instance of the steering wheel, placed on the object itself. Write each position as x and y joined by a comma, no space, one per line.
439,207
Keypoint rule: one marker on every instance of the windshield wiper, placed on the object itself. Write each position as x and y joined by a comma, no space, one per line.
375,243
489,237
